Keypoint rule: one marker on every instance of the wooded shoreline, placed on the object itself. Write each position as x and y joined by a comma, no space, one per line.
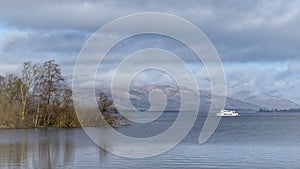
41,98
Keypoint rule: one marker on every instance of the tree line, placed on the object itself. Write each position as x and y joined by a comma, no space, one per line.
278,110
40,97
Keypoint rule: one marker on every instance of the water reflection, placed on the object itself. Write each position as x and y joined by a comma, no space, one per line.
264,141
44,148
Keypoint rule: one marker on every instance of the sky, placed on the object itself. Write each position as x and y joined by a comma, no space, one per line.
257,41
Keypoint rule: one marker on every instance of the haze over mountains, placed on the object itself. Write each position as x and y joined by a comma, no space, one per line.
242,100
265,101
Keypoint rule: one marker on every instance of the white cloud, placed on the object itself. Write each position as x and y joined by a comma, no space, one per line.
276,81
260,32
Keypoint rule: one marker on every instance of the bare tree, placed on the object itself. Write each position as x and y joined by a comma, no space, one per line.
49,86
28,74
13,84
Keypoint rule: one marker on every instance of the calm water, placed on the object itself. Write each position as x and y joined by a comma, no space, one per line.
249,141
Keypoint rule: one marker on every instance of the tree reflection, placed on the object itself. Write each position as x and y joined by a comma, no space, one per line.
40,148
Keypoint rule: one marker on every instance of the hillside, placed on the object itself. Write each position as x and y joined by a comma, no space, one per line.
265,101
139,98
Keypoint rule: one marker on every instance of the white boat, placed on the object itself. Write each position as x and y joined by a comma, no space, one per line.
227,113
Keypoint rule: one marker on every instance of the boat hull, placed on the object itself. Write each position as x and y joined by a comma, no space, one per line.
227,113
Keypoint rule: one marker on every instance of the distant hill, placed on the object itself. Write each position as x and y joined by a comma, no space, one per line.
265,101
139,98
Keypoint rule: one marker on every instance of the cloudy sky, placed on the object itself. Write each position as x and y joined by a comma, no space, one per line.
257,41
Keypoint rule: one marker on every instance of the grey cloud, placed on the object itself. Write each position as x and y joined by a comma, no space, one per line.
242,31
17,47
80,15
42,42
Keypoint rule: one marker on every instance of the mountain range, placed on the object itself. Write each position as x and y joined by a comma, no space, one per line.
240,101
265,101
